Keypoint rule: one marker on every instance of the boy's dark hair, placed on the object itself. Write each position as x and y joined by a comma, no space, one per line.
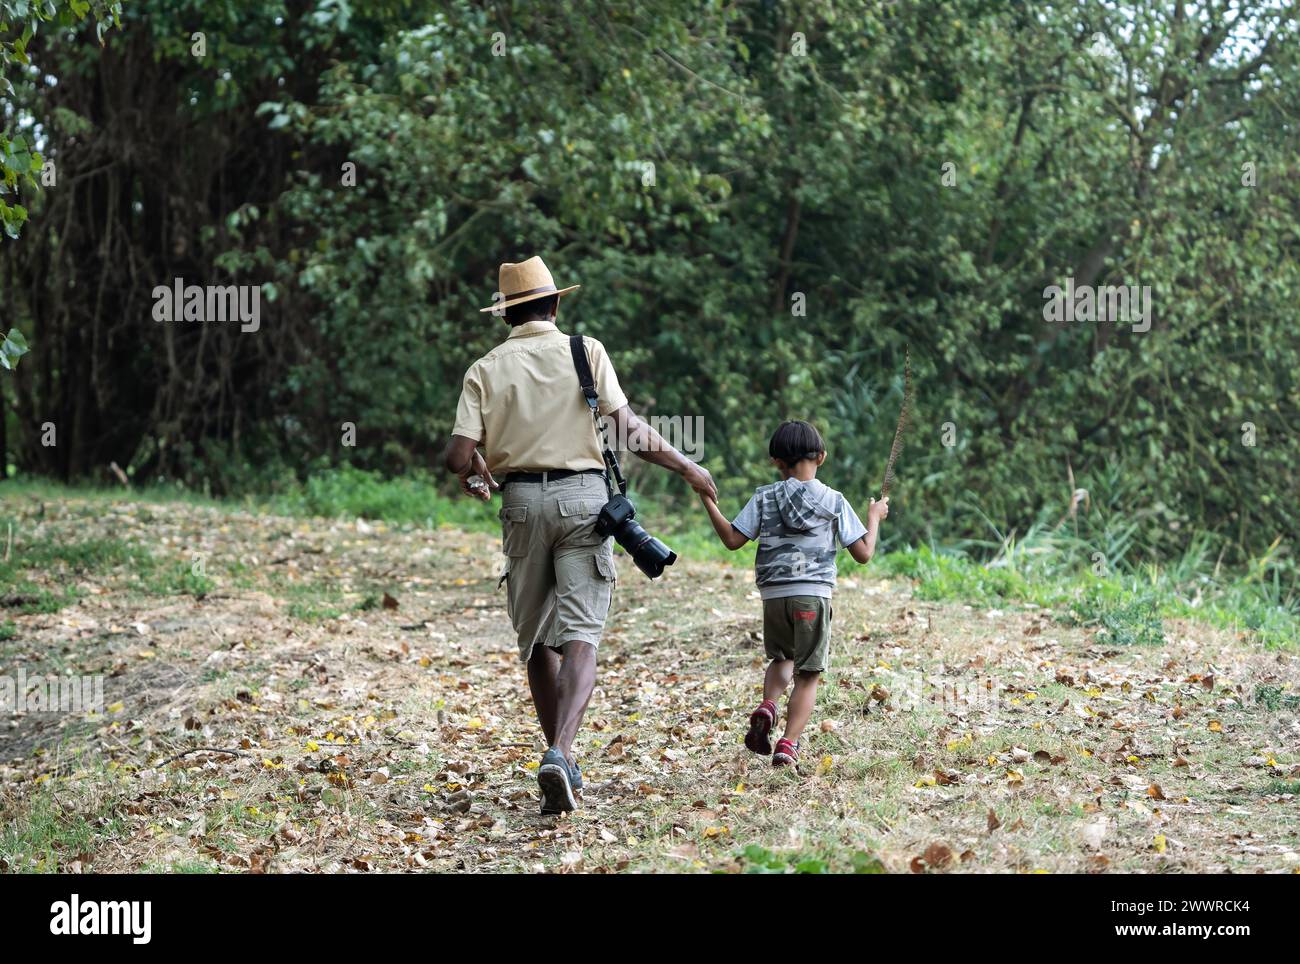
795,441
539,309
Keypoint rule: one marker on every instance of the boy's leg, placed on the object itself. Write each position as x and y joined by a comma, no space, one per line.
800,707
763,719
777,679
811,621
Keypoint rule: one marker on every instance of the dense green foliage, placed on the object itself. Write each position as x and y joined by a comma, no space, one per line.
20,21
909,174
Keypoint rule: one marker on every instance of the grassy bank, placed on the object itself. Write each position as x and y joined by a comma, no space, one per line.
1090,571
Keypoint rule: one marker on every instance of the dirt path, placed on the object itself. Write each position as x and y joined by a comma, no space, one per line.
377,738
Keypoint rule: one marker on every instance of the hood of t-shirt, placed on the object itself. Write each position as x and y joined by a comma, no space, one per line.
803,505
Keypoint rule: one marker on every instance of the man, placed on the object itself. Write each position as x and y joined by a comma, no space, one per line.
522,402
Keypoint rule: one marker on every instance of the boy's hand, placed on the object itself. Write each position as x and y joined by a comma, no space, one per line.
878,511
699,479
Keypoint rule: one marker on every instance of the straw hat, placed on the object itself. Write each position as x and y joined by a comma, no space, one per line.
525,281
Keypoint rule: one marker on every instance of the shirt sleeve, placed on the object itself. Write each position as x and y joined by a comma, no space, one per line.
849,525
747,523
607,386
469,410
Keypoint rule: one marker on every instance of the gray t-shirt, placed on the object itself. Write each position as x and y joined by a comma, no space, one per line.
799,527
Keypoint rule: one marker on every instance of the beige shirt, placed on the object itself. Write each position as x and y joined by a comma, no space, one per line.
522,402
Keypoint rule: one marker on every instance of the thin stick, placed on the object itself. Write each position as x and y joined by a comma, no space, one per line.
198,749
904,418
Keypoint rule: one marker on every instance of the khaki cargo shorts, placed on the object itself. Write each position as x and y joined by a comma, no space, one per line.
798,628
559,574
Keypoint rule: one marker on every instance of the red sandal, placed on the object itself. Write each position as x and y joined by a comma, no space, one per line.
787,753
761,722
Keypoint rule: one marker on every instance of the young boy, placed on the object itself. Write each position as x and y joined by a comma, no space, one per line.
799,524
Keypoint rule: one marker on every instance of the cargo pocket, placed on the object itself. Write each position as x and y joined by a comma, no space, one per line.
514,531
580,515
505,578
608,576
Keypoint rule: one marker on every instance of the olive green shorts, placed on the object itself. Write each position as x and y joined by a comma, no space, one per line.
798,628
559,574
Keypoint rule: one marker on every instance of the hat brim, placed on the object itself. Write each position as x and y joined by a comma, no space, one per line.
502,305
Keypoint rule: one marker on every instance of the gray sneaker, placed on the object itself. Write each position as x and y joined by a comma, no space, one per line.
556,781
575,776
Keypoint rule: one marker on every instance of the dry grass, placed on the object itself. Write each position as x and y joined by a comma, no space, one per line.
389,739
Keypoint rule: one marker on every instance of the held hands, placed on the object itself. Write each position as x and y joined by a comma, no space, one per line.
878,512
699,479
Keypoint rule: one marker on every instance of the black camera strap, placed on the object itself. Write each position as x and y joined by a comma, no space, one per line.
613,473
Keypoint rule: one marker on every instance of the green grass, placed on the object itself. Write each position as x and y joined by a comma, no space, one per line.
36,490
1128,618
178,579
52,828
182,867
1276,698
760,860
356,493
60,563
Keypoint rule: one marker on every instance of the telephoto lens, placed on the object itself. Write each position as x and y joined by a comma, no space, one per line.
618,519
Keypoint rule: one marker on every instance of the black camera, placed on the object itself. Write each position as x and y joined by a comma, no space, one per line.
618,519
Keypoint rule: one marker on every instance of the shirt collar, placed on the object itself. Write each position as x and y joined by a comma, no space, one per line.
529,328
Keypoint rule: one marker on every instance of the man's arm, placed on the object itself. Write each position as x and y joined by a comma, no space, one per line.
649,445
463,458
731,537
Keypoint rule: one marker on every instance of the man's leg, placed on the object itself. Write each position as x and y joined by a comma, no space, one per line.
573,688
543,670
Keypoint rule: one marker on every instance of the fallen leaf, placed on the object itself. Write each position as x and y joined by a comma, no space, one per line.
1094,832
937,856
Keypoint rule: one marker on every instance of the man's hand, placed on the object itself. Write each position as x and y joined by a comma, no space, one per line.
482,486
699,479
649,445
464,459
877,512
